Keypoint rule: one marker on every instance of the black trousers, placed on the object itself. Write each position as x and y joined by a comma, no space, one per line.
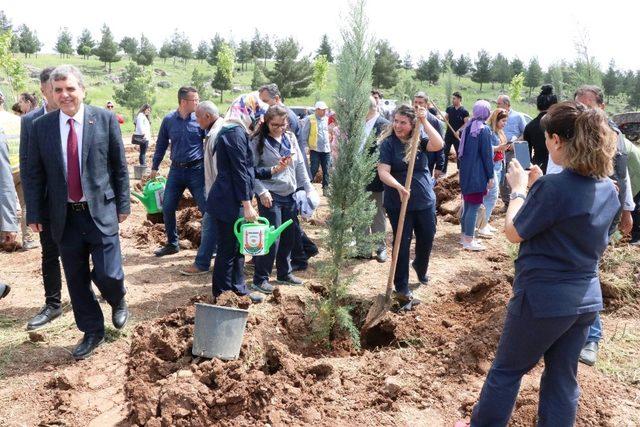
281,210
82,239
635,231
228,267
51,273
450,141
303,246
423,224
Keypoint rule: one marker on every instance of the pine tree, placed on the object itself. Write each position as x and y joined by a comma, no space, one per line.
517,66
555,76
138,88
407,62
292,76
461,66
28,41
351,209
201,83
243,54
385,68
325,48
85,44
482,71
634,93
610,81
147,52
107,50
447,61
129,45
223,79
202,52
5,22
181,47
166,51
430,69
533,77
258,78
266,50
256,45
500,70
216,44
64,44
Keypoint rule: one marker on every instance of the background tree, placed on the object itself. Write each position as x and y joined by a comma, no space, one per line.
243,54
385,68
107,50
166,51
223,79
447,61
610,81
266,50
533,77
129,45
5,22
350,208
430,69
292,76
258,78
515,87
407,62
482,71
325,48
181,47
202,51
256,45
86,44
500,70
28,41
634,93
517,66
405,89
320,74
216,44
201,82
555,76
138,88
627,81
147,52
10,67
461,66
64,44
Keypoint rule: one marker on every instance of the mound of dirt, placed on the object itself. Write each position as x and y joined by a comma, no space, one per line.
447,189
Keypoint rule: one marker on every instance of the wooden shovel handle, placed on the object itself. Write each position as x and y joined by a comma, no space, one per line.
445,119
415,141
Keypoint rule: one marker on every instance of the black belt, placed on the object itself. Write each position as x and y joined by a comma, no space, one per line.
78,206
187,165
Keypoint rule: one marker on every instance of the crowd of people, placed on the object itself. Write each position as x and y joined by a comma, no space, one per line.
74,181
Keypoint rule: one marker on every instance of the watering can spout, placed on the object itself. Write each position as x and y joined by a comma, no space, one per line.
276,233
138,196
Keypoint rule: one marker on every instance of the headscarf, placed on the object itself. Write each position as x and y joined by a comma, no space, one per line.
481,112
245,110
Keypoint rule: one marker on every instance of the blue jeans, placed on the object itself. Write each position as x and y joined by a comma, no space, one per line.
524,341
595,331
468,220
323,160
423,224
208,242
178,180
283,208
490,199
142,158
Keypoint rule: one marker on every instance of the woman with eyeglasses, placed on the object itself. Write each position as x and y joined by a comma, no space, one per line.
274,147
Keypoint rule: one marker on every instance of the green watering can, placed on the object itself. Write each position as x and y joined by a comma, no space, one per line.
152,195
256,238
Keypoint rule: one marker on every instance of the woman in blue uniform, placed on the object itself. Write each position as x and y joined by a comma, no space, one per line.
420,219
562,226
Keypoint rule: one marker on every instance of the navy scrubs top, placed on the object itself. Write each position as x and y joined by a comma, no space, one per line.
565,226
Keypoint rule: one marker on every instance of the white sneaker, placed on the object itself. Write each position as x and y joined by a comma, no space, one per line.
635,243
473,246
485,232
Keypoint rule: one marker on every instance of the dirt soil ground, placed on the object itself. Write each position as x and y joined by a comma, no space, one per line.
421,368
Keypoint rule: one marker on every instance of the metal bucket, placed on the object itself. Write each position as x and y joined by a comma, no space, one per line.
218,331
139,171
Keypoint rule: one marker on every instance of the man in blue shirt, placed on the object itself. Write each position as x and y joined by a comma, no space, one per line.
181,129
513,129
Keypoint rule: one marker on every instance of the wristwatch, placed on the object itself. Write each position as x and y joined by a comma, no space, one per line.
517,194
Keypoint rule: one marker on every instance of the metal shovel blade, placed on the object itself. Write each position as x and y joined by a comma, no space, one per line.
381,305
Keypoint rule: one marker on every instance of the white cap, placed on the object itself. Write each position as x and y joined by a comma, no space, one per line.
320,105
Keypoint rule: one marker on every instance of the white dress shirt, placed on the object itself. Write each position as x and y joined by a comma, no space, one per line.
64,135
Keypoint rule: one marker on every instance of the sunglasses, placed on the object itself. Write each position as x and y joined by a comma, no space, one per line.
110,106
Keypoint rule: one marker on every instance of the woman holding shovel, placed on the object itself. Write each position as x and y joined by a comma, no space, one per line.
393,168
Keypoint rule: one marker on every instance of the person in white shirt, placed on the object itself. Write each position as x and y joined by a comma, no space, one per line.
142,132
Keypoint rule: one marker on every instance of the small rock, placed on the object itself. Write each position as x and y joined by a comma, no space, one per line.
393,386
185,373
483,367
185,244
311,415
35,336
446,323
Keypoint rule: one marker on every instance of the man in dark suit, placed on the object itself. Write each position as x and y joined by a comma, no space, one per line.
51,275
76,157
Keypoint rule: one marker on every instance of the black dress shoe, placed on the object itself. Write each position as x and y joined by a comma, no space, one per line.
167,250
46,315
89,343
120,314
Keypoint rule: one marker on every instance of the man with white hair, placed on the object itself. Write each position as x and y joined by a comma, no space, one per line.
208,118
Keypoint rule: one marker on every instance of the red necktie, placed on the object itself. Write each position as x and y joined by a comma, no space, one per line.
74,186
